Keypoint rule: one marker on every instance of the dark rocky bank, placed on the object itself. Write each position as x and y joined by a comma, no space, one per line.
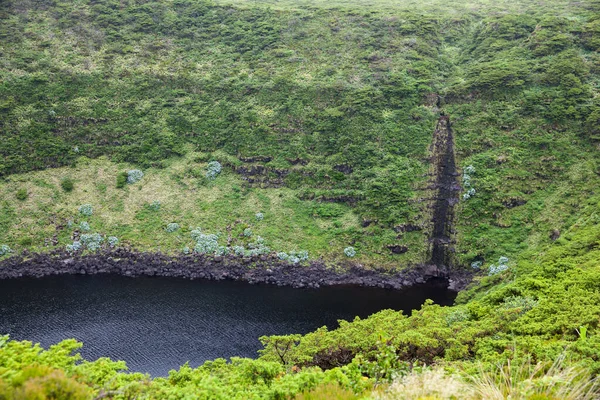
264,269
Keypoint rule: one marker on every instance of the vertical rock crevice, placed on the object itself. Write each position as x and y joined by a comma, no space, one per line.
446,190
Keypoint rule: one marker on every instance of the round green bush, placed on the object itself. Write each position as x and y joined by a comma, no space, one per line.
22,194
67,184
122,180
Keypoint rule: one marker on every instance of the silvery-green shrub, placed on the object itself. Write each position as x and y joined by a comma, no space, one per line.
294,259
112,241
501,267
469,169
4,250
134,175
92,241
186,250
222,251
350,251
155,205
239,250
172,227
282,256
247,232
84,226
196,234
259,216
86,209
206,243
301,255
213,169
476,264
259,247
470,193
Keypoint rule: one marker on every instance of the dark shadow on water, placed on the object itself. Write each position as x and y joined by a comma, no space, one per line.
157,324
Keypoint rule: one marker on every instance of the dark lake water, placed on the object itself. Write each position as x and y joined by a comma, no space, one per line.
157,324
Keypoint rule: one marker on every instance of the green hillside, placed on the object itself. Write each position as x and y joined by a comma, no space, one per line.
327,104
321,114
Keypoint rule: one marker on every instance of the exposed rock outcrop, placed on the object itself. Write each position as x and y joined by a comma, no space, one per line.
263,269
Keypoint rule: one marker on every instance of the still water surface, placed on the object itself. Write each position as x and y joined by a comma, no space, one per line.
157,324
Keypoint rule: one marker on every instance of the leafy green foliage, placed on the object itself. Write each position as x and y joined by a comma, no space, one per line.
67,184
22,194
122,180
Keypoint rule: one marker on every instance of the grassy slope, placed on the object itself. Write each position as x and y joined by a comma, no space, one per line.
223,206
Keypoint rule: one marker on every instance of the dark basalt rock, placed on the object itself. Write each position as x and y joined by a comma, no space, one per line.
366,222
297,161
264,159
514,202
397,249
269,269
407,228
343,168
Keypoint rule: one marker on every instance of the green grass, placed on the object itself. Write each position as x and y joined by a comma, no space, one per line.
225,205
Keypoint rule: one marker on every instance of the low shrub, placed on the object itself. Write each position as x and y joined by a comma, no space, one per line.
22,194
67,184
121,180
92,241
86,209
112,241
134,175
4,250
212,170
172,227
84,226
350,252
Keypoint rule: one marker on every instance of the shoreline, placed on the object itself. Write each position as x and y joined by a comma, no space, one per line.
267,269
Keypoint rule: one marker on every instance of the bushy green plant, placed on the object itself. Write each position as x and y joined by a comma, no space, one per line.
155,205
22,194
67,184
350,251
259,216
122,180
